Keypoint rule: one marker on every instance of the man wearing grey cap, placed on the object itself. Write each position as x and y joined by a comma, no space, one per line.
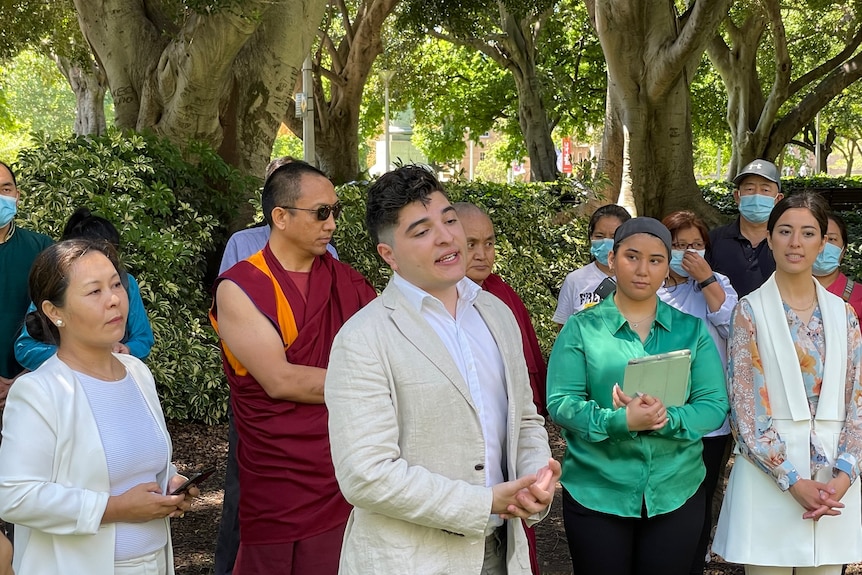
739,249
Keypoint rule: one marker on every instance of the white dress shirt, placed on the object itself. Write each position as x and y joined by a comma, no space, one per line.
472,347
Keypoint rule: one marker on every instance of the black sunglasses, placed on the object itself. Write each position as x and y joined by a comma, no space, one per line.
322,213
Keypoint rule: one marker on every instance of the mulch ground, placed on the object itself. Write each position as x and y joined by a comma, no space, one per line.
198,446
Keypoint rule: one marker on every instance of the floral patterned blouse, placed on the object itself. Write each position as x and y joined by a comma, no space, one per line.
750,413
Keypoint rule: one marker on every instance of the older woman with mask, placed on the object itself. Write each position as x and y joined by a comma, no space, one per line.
85,462
827,266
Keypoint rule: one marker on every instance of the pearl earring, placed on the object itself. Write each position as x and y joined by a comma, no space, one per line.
59,323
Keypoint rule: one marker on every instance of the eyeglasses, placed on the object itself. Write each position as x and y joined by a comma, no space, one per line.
692,246
323,212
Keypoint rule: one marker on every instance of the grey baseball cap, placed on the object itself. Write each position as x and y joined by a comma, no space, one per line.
762,168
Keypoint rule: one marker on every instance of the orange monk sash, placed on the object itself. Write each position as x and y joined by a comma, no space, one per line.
284,314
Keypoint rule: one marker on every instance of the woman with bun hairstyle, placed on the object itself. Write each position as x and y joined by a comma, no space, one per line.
632,496
85,461
138,337
795,354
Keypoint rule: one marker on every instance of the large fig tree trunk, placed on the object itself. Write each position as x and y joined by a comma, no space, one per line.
89,84
651,53
224,77
519,44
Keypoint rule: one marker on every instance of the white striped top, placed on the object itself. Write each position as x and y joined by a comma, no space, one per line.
136,451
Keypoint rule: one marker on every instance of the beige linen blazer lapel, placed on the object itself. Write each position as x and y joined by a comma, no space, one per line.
422,336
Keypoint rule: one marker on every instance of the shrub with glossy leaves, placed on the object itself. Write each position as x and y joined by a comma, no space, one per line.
169,208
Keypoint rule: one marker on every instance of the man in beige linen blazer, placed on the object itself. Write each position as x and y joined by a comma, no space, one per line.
408,429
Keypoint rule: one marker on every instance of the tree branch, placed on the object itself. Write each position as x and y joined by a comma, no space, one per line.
701,24
345,21
491,51
819,71
327,44
832,85
781,81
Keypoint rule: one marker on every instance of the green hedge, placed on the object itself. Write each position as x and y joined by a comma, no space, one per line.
169,213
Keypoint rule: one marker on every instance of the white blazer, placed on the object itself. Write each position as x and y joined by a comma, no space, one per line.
407,442
54,483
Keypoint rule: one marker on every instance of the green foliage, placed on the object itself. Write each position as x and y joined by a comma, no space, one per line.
38,95
168,206
34,96
46,27
852,263
494,167
573,71
286,144
454,89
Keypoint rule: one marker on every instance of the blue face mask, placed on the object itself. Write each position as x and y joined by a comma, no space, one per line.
756,208
600,249
827,261
8,209
676,260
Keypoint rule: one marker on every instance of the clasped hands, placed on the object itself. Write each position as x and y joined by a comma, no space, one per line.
643,412
526,495
821,499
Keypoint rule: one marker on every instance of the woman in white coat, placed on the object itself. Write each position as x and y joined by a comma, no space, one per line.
85,462
793,499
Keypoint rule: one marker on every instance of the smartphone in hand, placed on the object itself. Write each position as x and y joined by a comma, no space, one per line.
195,479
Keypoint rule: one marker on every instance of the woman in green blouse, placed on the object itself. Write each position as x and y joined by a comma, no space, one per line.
632,502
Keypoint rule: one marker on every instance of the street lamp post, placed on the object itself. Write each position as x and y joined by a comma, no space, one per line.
386,76
817,151
308,116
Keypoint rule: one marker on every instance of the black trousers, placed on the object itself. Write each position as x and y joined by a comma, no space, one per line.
227,543
716,451
603,544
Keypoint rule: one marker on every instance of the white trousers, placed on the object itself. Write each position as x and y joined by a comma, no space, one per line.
822,570
150,564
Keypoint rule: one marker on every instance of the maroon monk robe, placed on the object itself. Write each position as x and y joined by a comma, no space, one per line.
288,487
532,352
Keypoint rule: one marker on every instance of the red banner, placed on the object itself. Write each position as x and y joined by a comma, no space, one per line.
567,155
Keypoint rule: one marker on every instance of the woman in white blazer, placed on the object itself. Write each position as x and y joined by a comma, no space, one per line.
85,460
795,354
